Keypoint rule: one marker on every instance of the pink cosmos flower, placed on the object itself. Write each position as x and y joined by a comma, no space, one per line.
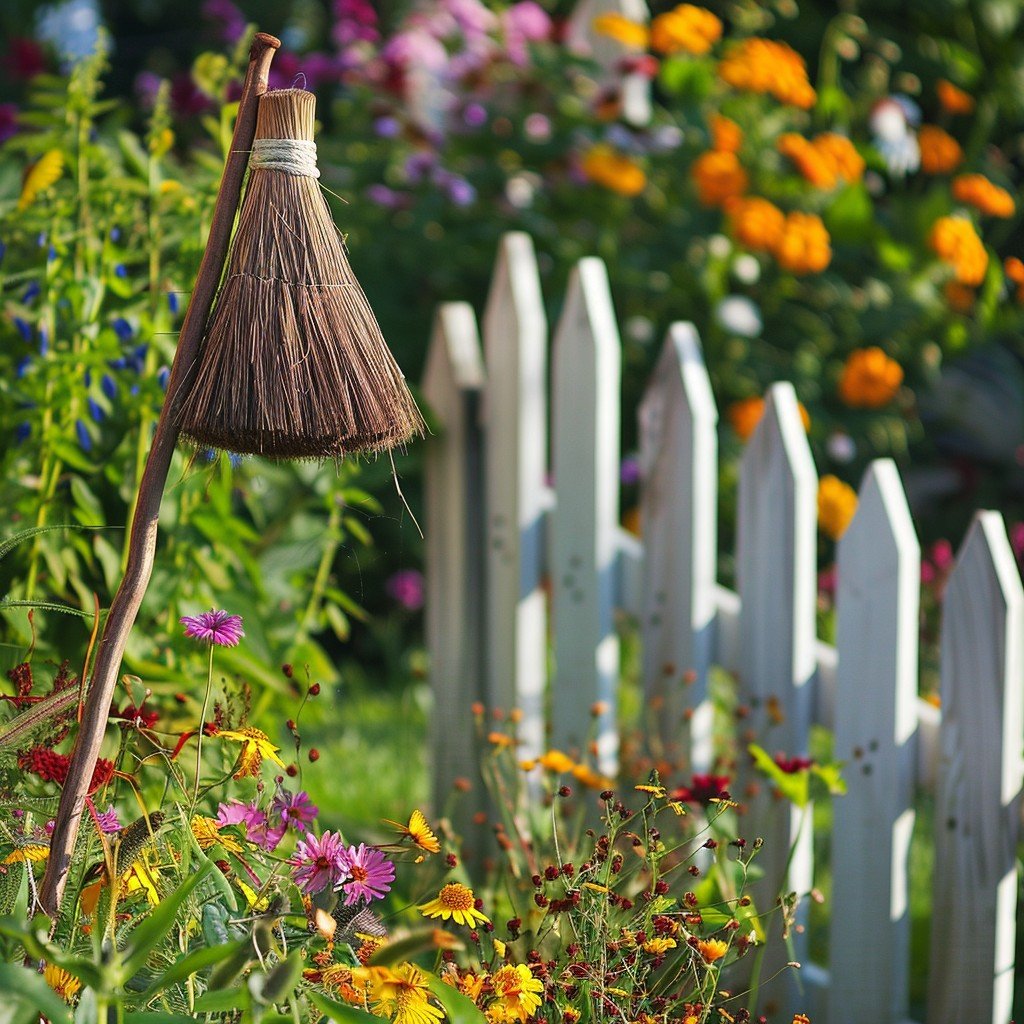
319,863
407,588
254,821
294,809
370,874
214,627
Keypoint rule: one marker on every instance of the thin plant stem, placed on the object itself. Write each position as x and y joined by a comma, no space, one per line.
199,736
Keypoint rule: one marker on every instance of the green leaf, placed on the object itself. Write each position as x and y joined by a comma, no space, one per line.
851,216
283,978
794,786
340,1013
157,1017
47,606
459,1008
10,543
144,939
221,1000
184,967
26,996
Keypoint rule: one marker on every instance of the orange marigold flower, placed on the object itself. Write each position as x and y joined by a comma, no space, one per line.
959,296
763,65
837,502
614,171
745,415
809,162
953,99
556,761
954,241
622,29
1014,270
801,1018
989,198
940,152
712,949
756,223
870,379
685,29
726,134
719,178
841,155
805,246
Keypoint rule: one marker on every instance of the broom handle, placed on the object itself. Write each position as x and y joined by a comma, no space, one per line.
142,541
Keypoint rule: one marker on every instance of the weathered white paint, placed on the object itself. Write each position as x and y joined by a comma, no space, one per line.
678,517
777,574
452,383
585,428
879,574
581,38
515,447
977,806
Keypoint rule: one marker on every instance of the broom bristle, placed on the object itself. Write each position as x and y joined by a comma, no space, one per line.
294,364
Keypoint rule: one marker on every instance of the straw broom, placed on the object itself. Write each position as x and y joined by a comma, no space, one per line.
142,539
294,364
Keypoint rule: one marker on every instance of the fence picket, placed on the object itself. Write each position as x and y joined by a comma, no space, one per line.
977,815
875,731
608,53
776,547
452,381
679,468
585,412
515,453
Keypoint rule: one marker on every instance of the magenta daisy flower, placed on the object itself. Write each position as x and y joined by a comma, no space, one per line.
214,627
254,821
318,863
294,809
370,874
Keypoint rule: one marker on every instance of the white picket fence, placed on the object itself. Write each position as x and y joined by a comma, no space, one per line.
498,528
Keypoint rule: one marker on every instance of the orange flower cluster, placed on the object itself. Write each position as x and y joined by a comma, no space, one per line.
763,65
726,135
623,30
953,99
805,246
745,415
719,177
954,241
981,193
799,241
824,160
940,152
615,171
837,503
870,379
1014,270
685,29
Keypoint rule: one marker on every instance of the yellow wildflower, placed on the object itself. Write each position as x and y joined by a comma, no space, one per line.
31,854
256,745
870,379
837,503
556,761
685,29
712,949
517,993
66,985
656,791
455,902
207,833
44,173
614,171
659,945
419,832
586,776
401,994
622,29
142,877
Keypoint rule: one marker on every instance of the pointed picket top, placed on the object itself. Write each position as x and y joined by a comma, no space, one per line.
582,38
977,813
678,514
452,380
585,409
515,454
777,574
878,603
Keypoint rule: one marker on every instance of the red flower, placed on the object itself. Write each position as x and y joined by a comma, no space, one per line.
138,717
53,767
792,765
703,789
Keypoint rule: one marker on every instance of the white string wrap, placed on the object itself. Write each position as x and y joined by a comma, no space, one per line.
293,156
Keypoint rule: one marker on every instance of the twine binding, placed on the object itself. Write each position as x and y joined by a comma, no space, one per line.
293,156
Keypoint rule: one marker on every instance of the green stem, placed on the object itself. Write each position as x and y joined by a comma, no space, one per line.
323,572
199,737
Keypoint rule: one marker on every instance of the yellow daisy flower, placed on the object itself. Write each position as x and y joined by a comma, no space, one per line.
256,745
207,833
400,994
64,984
516,994
454,902
32,854
418,831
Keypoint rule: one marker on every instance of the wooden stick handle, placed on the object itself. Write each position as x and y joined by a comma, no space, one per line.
142,541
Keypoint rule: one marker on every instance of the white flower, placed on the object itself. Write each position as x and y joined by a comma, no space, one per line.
738,315
841,448
746,268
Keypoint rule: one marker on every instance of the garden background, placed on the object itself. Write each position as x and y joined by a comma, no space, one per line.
836,207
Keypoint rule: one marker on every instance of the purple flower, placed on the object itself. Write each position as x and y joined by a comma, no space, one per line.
406,587
629,471
370,874
529,20
319,863
254,821
294,809
417,49
475,115
355,22
387,127
381,195
229,19
461,192
214,627
8,121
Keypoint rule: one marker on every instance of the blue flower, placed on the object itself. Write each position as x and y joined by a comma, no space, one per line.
87,378
234,459
22,368
24,328
123,329
121,270
84,437
137,360
22,432
117,364
51,253
3,250
108,386
115,234
96,410
41,240
44,341
31,292
162,376
172,301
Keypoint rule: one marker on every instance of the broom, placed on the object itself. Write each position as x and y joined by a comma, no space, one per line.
294,365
